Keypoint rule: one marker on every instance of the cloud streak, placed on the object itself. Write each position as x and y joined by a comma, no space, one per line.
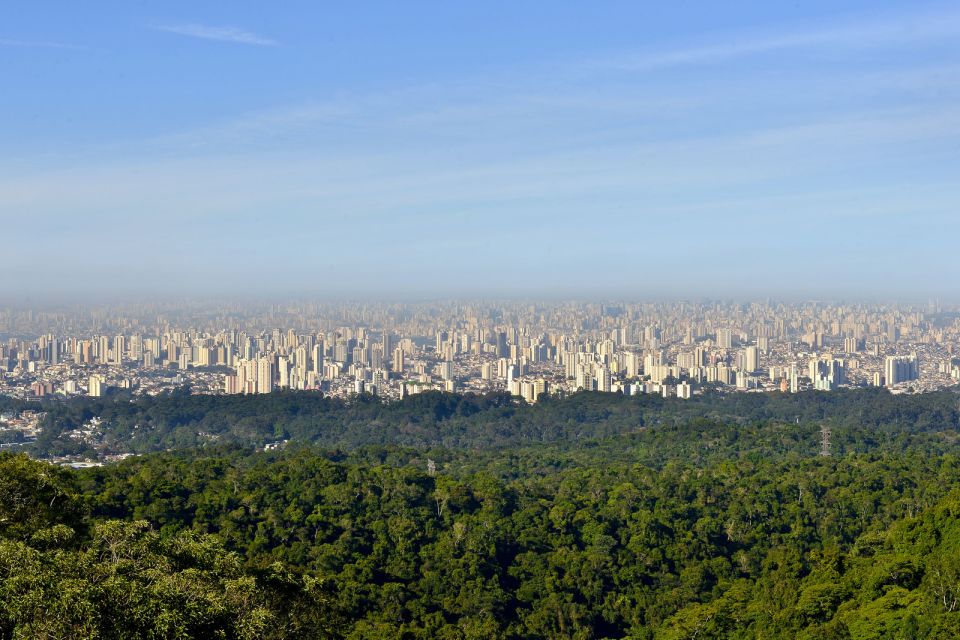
886,32
219,34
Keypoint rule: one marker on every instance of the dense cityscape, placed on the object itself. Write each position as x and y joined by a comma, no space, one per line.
528,349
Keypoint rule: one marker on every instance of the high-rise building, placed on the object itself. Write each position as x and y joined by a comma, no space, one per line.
361,355
265,375
86,352
632,364
103,350
119,349
503,350
486,371
317,359
527,391
742,380
539,388
387,344
850,345
699,357
603,379
584,377
725,338
827,375
95,387
893,333
446,370
899,369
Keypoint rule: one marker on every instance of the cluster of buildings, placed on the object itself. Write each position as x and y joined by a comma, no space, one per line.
526,348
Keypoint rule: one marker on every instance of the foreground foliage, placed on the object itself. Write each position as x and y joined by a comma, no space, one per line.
712,526
65,576
864,546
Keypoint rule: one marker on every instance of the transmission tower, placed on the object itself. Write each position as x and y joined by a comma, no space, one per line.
824,440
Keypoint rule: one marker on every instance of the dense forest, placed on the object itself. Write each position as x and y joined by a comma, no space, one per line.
602,517
434,419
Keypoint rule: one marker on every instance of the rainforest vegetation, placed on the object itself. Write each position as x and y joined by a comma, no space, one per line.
592,516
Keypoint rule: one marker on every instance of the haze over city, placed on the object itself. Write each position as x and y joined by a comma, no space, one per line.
530,149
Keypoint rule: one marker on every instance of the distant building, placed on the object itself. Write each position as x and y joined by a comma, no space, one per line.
827,375
899,369
725,338
850,345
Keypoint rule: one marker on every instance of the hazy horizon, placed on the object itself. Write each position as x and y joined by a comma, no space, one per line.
536,150
76,302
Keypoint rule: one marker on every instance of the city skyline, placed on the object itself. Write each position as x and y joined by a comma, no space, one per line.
502,151
525,348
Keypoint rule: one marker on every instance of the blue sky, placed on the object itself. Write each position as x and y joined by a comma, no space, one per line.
519,148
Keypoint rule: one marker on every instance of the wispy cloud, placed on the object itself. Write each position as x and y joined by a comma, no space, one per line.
883,32
38,44
220,34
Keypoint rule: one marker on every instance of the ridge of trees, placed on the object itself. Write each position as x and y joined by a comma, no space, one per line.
471,421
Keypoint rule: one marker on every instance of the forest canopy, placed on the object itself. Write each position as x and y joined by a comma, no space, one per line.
645,519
